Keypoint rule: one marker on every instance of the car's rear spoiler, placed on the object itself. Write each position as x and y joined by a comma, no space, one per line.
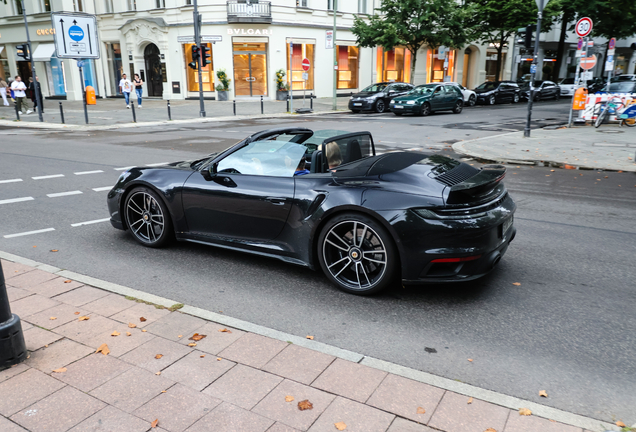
478,187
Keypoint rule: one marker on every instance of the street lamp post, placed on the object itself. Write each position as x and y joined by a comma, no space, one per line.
335,57
533,68
197,42
12,345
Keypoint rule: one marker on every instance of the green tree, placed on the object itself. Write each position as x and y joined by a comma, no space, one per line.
414,24
494,21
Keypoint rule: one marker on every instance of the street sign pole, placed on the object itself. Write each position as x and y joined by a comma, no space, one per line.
291,78
36,84
577,85
80,63
610,64
335,57
533,67
197,42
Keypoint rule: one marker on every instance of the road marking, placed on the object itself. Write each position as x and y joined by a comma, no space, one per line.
15,200
29,233
100,189
47,177
231,131
387,142
123,168
11,181
158,164
90,222
61,194
88,172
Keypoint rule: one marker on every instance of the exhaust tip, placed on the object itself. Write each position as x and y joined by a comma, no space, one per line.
495,261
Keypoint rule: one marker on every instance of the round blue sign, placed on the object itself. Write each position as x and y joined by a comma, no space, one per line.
76,33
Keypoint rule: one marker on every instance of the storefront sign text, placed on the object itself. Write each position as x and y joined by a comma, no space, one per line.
250,31
45,32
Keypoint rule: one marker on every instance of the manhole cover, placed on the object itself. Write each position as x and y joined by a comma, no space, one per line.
610,131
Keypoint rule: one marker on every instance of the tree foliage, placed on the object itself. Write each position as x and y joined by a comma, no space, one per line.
413,24
612,18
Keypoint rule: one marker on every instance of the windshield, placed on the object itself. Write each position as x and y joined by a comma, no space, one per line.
621,78
266,158
423,89
374,88
487,86
567,81
622,87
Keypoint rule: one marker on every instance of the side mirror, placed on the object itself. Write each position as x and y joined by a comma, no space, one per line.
209,173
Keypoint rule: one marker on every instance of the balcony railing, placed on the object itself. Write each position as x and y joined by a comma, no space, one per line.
249,11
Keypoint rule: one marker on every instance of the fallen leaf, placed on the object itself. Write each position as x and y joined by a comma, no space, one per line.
164,391
158,356
470,360
154,423
60,370
340,425
543,393
551,170
144,330
289,398
525,412
128,334
305,405
192,344
620,424
219,359
516,283
224,330
76,313
470,400
131,325
180,336
197,337
54,250
142,319
68,281
53,318
84,318
158,373
103,348
490,430
115,333
46,346
202,355
420,410
310,337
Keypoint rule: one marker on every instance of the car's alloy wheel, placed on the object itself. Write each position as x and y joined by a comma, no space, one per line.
426,109
458,107
515,98
380,106
491,100
557,96
147,217
357,254
472,100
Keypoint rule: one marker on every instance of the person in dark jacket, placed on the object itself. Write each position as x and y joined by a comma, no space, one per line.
32,93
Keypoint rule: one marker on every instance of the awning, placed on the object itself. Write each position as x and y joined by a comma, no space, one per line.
44,52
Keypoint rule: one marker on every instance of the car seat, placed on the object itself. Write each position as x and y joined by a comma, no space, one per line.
316,161
353,152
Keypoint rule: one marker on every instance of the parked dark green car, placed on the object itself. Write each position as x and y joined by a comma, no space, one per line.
428,98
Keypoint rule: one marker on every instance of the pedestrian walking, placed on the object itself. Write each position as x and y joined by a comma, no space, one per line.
125,87
139,88
18,88
34,98
3,91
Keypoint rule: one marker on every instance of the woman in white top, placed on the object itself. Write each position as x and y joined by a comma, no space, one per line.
3,91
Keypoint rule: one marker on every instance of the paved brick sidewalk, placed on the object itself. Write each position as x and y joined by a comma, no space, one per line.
230,380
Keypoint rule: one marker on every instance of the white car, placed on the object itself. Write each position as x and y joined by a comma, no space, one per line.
470,97
567,86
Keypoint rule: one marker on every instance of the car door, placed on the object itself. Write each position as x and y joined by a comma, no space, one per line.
549,90
438,98
247,195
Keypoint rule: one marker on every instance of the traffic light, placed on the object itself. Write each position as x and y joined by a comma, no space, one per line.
23,51
528,37
205,55
196,55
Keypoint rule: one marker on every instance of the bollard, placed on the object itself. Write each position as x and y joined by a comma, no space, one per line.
132,106
311,101
287,98
12,345
262,104
61,113
234,106
169,114
17,113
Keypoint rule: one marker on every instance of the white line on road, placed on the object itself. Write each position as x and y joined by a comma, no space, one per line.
158,164
15,200
123,168
387,142
231,131
47,177
88,172
100,189
29,233
90,222
11,181
61,194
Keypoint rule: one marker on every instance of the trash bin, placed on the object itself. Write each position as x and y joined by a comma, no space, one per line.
90,96
580,96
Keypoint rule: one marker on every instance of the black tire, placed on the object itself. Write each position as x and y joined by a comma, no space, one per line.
630,122
380,106
147,218
425,109
492,100
601,115
472,100
355,111
459,105
362,264
397,113
515,98
557,96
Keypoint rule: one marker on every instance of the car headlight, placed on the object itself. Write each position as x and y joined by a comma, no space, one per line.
372,98
392,101
411,102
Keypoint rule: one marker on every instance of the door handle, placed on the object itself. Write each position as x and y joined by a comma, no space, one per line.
276,200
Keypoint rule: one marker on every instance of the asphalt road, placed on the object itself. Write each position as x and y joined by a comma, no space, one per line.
568,328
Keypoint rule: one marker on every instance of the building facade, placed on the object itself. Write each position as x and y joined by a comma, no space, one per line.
249,39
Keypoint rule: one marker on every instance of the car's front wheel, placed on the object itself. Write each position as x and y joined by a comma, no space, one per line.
380,106
515,98
357,254
491,100
147,217
425,109
472,100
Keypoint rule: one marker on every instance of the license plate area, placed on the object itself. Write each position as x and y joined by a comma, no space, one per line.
506,226
357,104
398,106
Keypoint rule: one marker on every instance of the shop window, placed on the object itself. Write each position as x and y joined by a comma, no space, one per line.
108,6
440,68
491,65
160,4
347,67
207,73
46,5
362,6
132,5
78,5
116,66
330,4
18,7
301,3
300,52
393,65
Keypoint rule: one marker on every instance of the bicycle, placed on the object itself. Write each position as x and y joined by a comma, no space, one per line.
606,108
628,114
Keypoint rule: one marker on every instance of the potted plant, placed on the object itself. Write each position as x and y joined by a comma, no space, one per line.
224,84
282,87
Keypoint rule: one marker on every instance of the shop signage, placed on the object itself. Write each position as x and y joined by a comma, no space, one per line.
250,31
45,32
204,38
75,35
329,39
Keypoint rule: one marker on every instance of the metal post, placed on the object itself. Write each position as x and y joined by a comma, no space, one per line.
169,113
84,95
234,106
132,105
287,103
311,101
262,105
197,41
335,57
12,346
291,82
17,111
61,113
36,85
526,131
576,79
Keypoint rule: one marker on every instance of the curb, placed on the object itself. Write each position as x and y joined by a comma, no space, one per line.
469,390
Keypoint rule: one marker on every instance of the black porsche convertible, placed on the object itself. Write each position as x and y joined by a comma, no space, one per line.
327,199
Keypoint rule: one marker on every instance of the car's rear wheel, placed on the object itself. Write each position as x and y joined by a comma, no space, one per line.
472,100
458,107
147,217
515,98
491,100
425,109
357,254
380,106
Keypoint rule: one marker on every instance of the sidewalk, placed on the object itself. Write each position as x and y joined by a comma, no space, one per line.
167,368
608,148
113,112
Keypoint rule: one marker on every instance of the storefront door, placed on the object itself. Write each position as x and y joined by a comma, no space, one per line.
154,70
250,70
